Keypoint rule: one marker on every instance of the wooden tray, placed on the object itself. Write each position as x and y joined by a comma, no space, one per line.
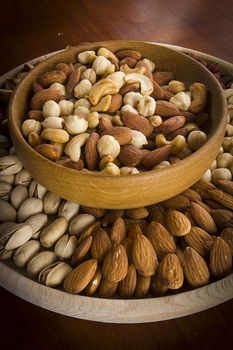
118,310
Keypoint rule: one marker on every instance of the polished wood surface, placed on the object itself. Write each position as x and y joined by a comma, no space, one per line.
29,29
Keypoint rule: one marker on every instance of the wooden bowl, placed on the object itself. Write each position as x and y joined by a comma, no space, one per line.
131,190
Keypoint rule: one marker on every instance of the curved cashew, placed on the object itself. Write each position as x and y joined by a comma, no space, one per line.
101,88
228,93
105,160
178,143
145,83
103,105
118,77
73,147
127,70
199,97
110,169
108,54
87,57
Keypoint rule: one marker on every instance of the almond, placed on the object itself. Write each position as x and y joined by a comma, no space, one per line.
129,155
179,202
202,187
167,95
166,109
177,223
116,103
137,122
43,96
130,61
158,92
118,231
170,272
93,285
155,157
144,256
199,240
96,212
128,244
202,218
36,87
134,87
134,230
81,251
162,78
91,153
107,288
172,124
89,231
48,151
65,68
220,258
227,235
128,53
142,286
36,114
53,76
111,216
101,244
222,197
121,133
115,265
157,213
161,240
79,278
157,286
227,185
195,268
192,195
223,218
73,80
137,213
104,123
127,286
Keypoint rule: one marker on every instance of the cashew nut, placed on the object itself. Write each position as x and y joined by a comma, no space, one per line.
102,88
145,83
178,143
104,161
198,97
118,77
103,105
108,54
127,70
73,147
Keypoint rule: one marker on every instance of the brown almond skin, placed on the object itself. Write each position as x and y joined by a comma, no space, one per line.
93,285
130,61
166,109
172,124
128,53
220,258
91,153
129,155
199,240
107,288
142,286
81,251
137,213
89,231
170,271
104,124
161,240
177,223
73,80
223,218
64,67
36,114
115,104
48,151
202,218
179,202
157,287
158,92
96,212
115,264
195,268
53,76
121,133
157,213
36,87
111,216
144,256
127,286
101,244
79,278
162,78
155,157
134,87
118,231
43,96
137,122
227,235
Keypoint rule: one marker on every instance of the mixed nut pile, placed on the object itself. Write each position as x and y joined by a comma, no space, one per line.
114,113
184,241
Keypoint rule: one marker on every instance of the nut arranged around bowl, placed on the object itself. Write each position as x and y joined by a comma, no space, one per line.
90,131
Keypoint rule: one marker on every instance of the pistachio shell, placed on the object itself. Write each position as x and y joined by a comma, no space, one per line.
5,189
7,212
68,210
18,195
53,275
6,254
19,237
23,178
65,246
39,262
52,232
36,190
51,202
79,223
37,222
24,253
29,207
10,165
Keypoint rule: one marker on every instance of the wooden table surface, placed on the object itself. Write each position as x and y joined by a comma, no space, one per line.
29,29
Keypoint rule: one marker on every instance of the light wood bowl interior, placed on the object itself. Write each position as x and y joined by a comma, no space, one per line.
122,191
